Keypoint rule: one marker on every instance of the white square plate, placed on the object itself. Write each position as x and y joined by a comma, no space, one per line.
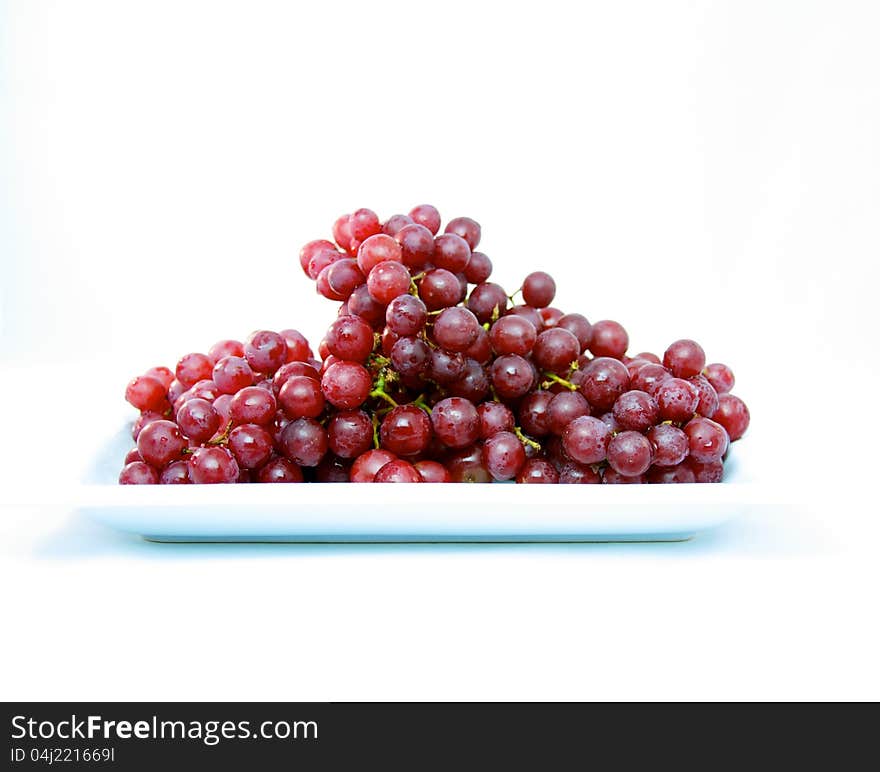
348,512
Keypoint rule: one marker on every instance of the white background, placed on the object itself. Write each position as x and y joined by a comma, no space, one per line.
706,170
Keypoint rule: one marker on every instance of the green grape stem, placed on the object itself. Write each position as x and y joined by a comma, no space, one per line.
553,378
526,440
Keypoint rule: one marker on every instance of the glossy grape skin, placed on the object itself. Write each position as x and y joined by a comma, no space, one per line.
494,417
712,472
160,443
479,268
432,472
211,466
175,389
416,246
299,397
556,350
573,473
512,376
132,455
444,367
677,400
138,473
439,288
707,440
365,466
405,431
707,397
538,471
192,368
232,374
198,420
206,390
539,289
342,231
346,385
291,370
455,422
648,377
146,393
161,374
680,473
410,356
223,406
513,335
720,376
609,339
388,280
321,261
586,440
392,226
534,416
250,445
532,314
612,477
362,304
350,338
344,277
467,465
176,473
465,228
363,224
398,471
634,365
564,408
388,339
225,348
503,455
551,317
630,453
406,315
684,358
579,326
670,445
733,415
279,470
473,384
323,288
304,441
451,252
481,349
455,329
427,215
350,433
144,419
604,380
305,255
265,351
376,250
487,301
253,405
636,410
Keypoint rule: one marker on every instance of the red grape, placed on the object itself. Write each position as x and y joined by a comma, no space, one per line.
426,215
539,289
212,466
398,471
138,473
733,415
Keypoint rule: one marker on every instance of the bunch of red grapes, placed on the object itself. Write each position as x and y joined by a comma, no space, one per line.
433,373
